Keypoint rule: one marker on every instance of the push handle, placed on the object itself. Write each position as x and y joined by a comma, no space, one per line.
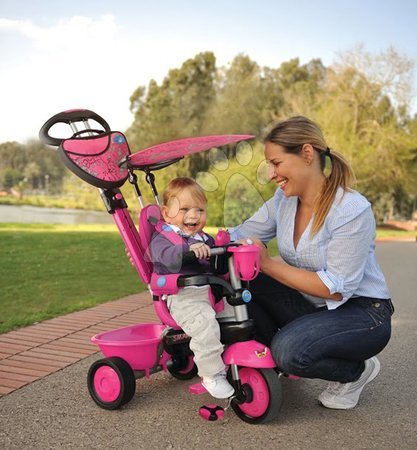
68,117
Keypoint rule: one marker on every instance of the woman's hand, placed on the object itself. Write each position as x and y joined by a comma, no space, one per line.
300,279
201,250
264,256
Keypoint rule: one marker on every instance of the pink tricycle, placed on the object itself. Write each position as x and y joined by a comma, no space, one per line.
102,158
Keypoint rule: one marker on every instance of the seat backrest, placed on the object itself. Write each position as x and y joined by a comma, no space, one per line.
149,217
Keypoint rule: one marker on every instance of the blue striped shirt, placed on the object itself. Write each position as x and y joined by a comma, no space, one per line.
342,252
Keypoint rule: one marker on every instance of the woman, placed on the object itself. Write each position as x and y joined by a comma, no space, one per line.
324,306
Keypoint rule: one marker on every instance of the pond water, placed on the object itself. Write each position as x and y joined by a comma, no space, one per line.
34,214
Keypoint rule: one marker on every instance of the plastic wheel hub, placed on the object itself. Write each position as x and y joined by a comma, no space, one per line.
107,384
257,403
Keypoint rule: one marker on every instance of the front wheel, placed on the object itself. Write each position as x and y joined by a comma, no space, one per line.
111,382
260,395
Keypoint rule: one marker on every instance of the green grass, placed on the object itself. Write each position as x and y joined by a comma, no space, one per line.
49,270
383,233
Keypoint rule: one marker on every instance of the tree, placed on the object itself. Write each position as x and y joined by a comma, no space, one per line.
34,161
366,119
32,172
10,178
389,71
178,107
301,85
239,99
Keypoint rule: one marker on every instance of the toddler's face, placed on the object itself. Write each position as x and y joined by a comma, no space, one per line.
186,212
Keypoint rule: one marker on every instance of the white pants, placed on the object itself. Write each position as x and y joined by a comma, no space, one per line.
192,310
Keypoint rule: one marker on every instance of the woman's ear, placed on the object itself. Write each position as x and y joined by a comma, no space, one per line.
307,153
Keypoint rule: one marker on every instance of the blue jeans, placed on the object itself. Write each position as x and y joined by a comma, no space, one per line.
318,343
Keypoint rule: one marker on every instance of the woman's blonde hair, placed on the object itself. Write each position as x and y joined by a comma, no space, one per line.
178,184
292,134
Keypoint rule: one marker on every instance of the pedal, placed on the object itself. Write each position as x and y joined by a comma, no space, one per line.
211,412
197,389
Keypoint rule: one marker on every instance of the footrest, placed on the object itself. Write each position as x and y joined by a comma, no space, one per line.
292,377
197,389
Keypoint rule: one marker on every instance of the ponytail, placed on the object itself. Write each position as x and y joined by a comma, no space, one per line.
341,175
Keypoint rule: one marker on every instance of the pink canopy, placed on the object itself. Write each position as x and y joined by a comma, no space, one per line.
181,147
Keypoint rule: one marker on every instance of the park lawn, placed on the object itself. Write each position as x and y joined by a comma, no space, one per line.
393,233
50,270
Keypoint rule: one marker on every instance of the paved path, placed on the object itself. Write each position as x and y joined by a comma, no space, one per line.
31,353
56,412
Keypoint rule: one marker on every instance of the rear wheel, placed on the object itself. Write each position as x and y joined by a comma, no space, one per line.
260,396
188,371
111,382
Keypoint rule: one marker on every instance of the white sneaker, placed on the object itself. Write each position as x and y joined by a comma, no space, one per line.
346,395
218,386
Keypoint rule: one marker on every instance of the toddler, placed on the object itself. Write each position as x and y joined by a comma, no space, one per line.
184,209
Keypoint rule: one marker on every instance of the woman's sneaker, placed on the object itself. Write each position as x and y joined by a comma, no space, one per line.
346,395
218,386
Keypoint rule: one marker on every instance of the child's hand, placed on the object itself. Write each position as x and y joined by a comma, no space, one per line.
202,251
130,257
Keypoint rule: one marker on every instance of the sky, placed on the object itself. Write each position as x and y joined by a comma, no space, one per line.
58,55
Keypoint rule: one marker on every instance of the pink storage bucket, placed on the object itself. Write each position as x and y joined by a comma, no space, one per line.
139,345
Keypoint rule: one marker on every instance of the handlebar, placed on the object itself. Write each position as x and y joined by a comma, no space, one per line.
69,117
190,257
215,251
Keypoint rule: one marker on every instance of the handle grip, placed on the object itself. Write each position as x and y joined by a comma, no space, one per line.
72,115
190,257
